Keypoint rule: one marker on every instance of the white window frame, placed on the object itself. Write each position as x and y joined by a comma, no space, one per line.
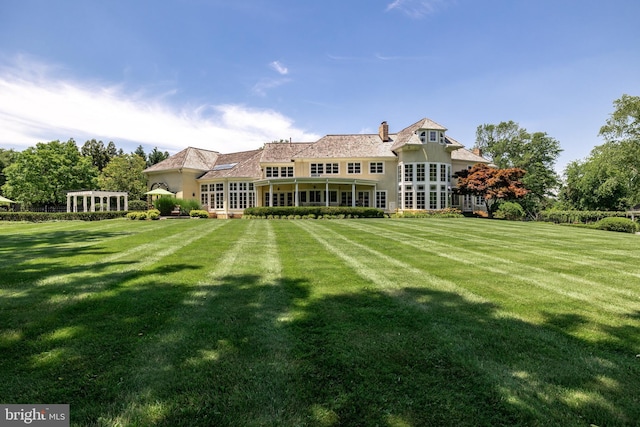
376,167
354,168
381,199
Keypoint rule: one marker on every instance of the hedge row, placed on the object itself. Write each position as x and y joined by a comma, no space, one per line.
577,217
311,212
60,216
441,213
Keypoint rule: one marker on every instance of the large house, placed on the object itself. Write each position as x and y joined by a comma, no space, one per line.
410,170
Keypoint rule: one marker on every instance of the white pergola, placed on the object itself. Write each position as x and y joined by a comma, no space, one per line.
103,196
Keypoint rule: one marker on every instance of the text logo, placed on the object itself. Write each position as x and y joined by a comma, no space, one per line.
34,415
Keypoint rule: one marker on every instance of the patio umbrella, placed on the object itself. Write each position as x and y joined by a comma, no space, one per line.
4,200
159,192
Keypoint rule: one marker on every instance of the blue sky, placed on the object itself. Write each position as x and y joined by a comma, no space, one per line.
231,75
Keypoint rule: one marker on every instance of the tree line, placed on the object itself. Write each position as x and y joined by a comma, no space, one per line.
41,176
607,180
522,170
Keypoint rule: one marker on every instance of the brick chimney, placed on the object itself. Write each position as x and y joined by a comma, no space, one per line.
383,131
477,151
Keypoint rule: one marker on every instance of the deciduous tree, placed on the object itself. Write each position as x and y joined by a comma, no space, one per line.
492,184
124,173
609,179
6,158
510,146
43,174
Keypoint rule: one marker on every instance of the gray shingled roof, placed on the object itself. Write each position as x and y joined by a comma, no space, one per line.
346,146
279,152
408,134
465,155
189,158
245,164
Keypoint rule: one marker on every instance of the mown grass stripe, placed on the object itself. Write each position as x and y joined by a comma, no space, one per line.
39,248
531,246
93,274
366,261
613,299
256,273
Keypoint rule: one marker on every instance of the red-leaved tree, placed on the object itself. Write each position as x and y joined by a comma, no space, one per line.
492,184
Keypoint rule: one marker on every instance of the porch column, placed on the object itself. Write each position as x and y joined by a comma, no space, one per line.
84,203
295,196
117,203
75,203
270,195
93,203
326,194
353,195
375,196
126,202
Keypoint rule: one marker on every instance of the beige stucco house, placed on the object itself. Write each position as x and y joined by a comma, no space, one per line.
406,171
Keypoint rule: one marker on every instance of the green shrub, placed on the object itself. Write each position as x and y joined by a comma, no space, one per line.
623,225
198,213
189,205
165,204
440,213
142,215
137,205
509,210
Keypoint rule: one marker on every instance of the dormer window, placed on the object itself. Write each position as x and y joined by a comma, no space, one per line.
442,141
423,137
433,136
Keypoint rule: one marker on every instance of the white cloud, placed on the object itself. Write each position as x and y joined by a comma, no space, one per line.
263,85
415,8
38,107
279,68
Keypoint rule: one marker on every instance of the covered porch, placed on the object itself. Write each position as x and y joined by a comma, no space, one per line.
316,192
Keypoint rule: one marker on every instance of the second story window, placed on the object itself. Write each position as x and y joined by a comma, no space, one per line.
286,172
376,167
354,167
317,169
420,176
271,172
408,172
324,168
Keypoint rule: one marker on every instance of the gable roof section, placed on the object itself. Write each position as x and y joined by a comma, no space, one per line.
189,158
282,152
408,134
347,146
245,164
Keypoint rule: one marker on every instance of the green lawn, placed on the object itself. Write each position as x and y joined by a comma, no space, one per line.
390,322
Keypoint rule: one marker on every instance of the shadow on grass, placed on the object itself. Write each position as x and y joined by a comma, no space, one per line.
27,259
240,351
17,248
